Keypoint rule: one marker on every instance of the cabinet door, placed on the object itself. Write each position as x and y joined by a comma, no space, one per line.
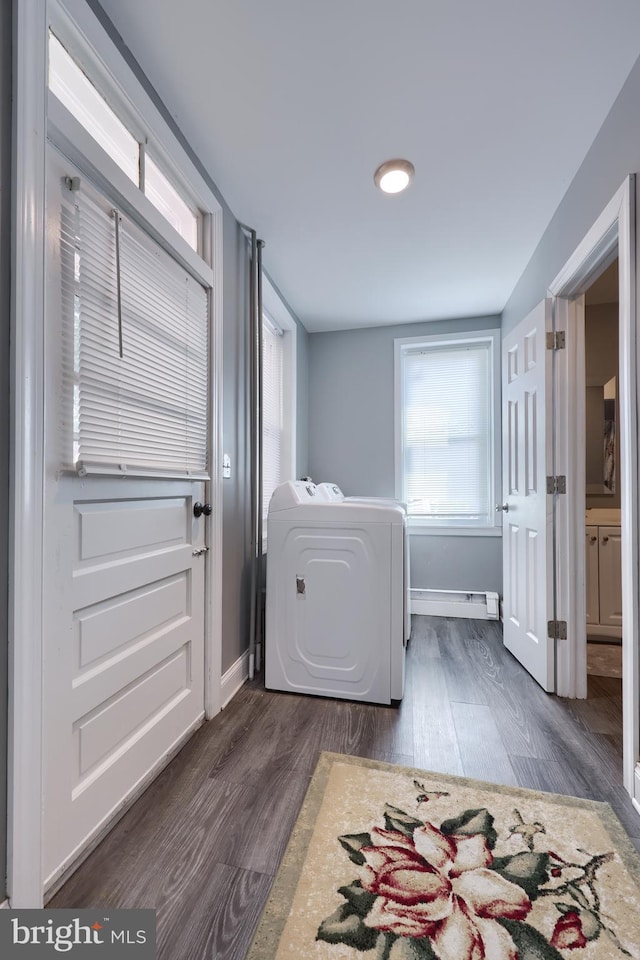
610,573
591,574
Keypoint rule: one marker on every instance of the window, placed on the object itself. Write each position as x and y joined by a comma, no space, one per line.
272,409
167,200
447,456
83,100
278,396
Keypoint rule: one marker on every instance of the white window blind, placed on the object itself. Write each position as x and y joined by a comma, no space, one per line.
447,431
272,410
138,377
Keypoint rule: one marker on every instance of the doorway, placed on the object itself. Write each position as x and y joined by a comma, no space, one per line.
612,236
603,531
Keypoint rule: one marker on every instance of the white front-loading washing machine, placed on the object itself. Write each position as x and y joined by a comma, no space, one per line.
333,493
335,596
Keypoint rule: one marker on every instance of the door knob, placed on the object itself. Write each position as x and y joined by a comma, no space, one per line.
605,539
593,539
200,508
502,508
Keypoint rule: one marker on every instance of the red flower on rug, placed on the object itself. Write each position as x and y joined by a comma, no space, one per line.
567,934
437,886
428,891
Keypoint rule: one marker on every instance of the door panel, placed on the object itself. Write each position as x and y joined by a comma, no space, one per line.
610,573
124,645
592,585
526,542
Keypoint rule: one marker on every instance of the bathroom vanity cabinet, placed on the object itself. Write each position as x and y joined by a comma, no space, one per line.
603,579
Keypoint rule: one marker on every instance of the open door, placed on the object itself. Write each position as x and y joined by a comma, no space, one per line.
527,511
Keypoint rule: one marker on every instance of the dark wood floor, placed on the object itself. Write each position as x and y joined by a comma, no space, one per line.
203,843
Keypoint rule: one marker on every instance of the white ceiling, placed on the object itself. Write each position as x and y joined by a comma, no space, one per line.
292,104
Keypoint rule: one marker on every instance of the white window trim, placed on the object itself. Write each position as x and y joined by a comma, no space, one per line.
427,527
74,24
32,21
275,308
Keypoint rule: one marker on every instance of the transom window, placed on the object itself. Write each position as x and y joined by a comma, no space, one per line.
446,438
83,100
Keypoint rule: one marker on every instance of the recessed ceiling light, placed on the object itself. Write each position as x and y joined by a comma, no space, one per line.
394,175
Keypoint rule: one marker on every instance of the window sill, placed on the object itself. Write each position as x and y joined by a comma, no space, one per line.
422,529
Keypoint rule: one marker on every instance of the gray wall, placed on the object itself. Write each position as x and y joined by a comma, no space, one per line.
614,154
5,282
351,442
235,411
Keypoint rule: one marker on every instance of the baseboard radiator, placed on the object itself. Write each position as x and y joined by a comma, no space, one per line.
456,603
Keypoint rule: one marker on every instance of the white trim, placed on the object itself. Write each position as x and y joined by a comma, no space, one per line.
277,313
419,527
613,231
468,605
213,611
471,336
76,143
88,42
4,905
234,678
24,820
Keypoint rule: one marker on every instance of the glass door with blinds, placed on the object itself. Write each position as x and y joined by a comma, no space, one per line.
127,401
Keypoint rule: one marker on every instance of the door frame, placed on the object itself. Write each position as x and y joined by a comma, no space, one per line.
26,564
612,234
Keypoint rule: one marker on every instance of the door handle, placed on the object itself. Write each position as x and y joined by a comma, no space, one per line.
200,508
605,539
502,508
199,551
592,539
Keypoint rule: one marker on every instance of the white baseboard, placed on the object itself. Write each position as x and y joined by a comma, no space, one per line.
234,677
470,605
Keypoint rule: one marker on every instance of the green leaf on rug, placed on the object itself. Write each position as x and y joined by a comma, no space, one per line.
382,946
471,822
395,819
352,843
528,870
411,948
360,900
389,946
530,943
345,926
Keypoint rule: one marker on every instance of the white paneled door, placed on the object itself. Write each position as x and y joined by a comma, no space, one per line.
125,554
527,521
124,646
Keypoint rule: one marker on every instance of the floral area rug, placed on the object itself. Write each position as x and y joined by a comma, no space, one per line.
389,863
